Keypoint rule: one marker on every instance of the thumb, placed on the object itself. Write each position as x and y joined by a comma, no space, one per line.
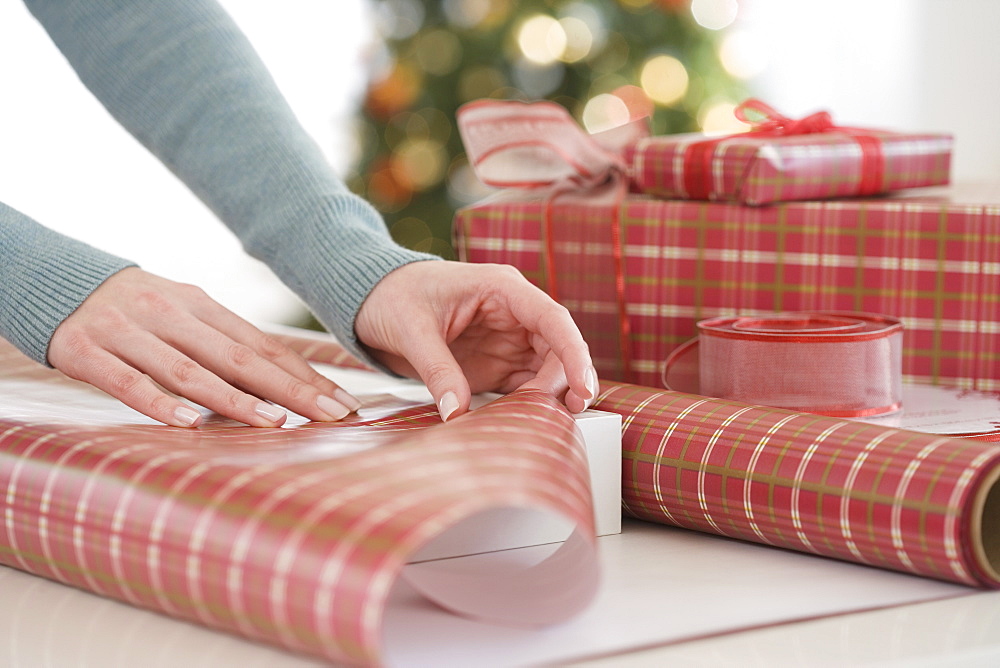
432,360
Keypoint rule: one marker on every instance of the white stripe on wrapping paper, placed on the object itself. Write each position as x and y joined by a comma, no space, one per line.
950,544
504,243
10,519
627,421
748,483
46,501
706,455
896,528
80,517
118,522
800,476
668,432
752,256
159,524
845,500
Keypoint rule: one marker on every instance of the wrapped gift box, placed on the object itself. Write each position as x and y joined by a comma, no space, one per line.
638,272
754,169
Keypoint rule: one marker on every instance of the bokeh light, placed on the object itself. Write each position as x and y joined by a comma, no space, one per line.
542,39
399,19
537,81
466,13
639,104
479,82
604,112
717,118
395,91
595,22
714,14
665,79
742,55
438,51
579,39
419,163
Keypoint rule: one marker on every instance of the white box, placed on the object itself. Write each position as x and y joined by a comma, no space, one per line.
507,528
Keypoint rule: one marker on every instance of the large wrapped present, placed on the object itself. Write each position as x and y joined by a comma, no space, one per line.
779,159
638,273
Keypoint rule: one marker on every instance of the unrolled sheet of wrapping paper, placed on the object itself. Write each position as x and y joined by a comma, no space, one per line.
896,499
289,536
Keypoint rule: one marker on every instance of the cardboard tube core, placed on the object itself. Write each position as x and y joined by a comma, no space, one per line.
985,521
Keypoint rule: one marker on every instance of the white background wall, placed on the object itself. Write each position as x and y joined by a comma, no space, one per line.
906,64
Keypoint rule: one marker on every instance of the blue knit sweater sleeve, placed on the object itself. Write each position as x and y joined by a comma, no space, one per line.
183,79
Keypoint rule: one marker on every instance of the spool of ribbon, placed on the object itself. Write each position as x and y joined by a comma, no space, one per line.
839,364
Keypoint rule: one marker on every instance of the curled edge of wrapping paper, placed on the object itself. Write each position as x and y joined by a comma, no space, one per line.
279,546
834,363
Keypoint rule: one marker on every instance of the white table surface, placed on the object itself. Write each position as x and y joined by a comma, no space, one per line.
668,597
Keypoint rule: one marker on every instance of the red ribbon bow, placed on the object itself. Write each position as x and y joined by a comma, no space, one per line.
767,121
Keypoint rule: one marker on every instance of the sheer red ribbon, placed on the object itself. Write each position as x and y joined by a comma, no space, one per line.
839,364
539,145
766,121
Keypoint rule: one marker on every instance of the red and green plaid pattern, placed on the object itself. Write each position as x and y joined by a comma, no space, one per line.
756,170
930,258
900,500
288,536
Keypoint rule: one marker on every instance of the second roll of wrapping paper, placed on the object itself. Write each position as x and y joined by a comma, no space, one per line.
895,499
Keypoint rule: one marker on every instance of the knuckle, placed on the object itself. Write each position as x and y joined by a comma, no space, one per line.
184,370
436,373
151,301
271,348
296,390
239,355
162,405
125,383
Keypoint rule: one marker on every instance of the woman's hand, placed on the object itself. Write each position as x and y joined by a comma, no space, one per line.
137,328
467,328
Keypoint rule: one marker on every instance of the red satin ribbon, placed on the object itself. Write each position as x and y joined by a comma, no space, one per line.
830,363
767,122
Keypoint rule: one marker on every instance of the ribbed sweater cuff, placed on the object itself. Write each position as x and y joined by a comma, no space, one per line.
339,260
44,283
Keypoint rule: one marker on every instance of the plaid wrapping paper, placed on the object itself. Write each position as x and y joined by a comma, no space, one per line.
288,536
756,170
929,257
894,499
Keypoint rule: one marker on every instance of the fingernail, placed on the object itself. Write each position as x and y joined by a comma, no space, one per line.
269,411
592,385
447,405
334,409
186,416
347,399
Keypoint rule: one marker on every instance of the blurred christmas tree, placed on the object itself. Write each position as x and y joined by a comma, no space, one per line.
607,61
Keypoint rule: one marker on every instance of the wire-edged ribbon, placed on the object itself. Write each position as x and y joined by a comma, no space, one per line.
539,145
765,121
840,364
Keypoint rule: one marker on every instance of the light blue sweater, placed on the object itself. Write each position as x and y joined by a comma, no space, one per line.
181,77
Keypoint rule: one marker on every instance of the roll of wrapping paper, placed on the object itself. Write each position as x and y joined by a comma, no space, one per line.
291,536
901,500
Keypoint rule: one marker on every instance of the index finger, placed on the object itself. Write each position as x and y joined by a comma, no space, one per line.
550,320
